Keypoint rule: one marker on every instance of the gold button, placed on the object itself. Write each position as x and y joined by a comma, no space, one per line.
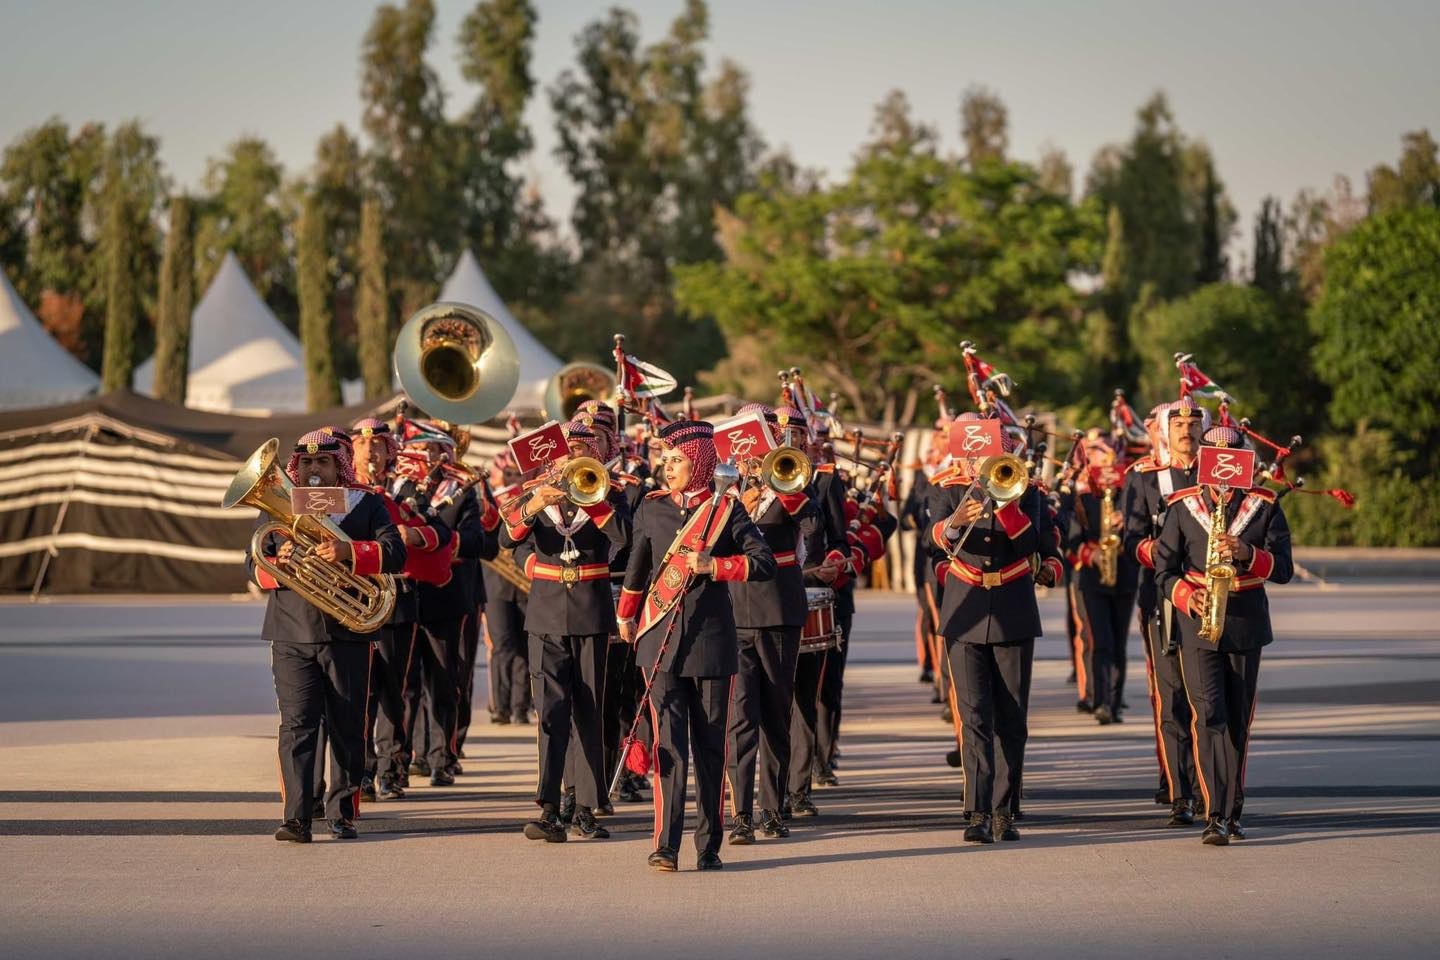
987,539
987,563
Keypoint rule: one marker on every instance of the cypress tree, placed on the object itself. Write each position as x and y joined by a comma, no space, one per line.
121,302
317,323
177,299
372,321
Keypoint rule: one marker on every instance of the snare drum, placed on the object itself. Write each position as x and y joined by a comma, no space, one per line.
820,632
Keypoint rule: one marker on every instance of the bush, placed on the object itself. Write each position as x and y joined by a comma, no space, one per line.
1391,509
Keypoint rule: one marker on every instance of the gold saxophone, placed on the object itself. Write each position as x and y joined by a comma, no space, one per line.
1109,540
505,567
1219,576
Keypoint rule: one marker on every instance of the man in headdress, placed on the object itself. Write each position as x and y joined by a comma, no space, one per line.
989,619
1221,677
321,668
505,605
688,544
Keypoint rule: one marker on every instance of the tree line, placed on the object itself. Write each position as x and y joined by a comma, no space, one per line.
722,258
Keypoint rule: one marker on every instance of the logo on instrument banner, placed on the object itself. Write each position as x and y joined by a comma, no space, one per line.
743,438
540,447
674,578
317,501
973,439
1229,468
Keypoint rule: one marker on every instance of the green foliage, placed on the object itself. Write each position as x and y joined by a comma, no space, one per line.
1375,323
129,194
177,299
316,321
372,309
245,211
1413,182
1394,507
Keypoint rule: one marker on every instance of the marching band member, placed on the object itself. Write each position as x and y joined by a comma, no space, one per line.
505,605
1148,488
1105,579
321,669
769,616
571,614
1221,678
989,619
688,544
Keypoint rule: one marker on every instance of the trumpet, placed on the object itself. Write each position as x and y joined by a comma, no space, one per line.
585,481
361,604
1001,478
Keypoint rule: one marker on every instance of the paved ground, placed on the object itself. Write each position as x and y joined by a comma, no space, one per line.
138,745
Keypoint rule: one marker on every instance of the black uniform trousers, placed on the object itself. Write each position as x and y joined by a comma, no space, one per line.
809,673
991,700
569,685
623,683
689,715
1105,626
1172,714
385,715
759,733
509,664
465,677
437,654
1221,688
317,682
832,691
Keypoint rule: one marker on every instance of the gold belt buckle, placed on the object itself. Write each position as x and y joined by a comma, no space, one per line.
989,580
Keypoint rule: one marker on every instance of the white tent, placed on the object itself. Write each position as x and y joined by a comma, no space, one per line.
35,371
242,358
537,364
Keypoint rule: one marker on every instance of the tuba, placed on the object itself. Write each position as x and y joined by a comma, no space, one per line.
1219,575
575,384
1109,540
786,470
361,604
456,363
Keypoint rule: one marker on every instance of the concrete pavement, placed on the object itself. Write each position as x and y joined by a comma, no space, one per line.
140,790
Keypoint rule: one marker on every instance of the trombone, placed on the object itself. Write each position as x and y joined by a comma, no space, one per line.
786,470
1001,478
585,481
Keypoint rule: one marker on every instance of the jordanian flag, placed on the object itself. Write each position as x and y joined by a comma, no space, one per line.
641,379
1194,383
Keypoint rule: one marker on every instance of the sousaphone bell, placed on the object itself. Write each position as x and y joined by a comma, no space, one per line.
457,363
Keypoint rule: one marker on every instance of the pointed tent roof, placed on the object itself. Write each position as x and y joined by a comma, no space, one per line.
468,284
242,359
35,371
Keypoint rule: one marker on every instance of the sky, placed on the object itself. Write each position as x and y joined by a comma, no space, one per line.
1286,93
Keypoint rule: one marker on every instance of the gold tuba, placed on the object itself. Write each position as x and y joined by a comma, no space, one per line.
786,470
456,363
575,384
1219,576
361,604
1109,540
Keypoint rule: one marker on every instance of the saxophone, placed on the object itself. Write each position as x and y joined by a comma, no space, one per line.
1109,540
1219,575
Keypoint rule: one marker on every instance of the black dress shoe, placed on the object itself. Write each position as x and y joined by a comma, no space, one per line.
709,860
936,698
1071,678
587,827
567,808
1004,828
742,834
786,812
1083,706
605,809
367,787
1181,815
1235,829
342,829
979,830
1162,797
454,768
295,831
1103,716
800,806
420,768
547,828
627,792
826,778
927,676
389,790
663,860
522,717
954,759
440,777
317,808
1215,834
772,826
946,715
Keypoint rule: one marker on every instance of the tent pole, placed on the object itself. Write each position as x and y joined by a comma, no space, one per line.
52,552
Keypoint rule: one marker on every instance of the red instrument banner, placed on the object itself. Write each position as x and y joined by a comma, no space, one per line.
743,438
540,447
1219,466
976,438
317,501
1105,477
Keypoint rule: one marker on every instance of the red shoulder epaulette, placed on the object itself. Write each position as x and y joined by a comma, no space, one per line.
1264,493
657,493
944,477
1179,495
623,479
825,468
1145,465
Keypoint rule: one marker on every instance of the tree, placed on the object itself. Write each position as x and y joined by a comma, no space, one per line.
1214,225
1267,271
1413,182
128,196
177,298
1056,174
316,321
984,126
245,212
372,305
1375,324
